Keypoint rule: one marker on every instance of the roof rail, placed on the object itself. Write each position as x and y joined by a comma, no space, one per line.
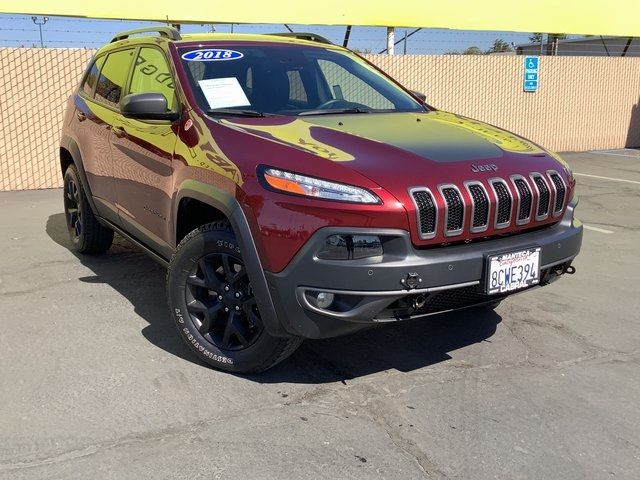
312,37
167,32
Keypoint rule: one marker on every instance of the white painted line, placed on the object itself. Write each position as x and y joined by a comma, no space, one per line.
596,229
601,152
635,182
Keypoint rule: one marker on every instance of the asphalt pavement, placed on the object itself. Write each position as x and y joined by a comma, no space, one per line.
95,383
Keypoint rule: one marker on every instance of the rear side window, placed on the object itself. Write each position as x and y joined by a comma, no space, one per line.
151,74
113,76
92,77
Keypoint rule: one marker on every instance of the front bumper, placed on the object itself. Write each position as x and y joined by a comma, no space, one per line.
373,290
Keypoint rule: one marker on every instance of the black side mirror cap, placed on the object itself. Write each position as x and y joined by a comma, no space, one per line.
147,106
420,95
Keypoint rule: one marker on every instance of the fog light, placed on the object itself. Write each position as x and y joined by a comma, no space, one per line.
350,247
324,299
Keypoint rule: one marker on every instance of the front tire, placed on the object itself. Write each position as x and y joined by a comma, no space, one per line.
86,232
214,306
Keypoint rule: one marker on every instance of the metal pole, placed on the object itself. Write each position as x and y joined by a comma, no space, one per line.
391,36
347,34
404,51
40,24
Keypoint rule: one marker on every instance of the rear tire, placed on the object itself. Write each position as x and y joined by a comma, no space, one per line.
214,306
87,234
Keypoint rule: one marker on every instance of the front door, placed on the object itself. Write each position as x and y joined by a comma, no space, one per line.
142,153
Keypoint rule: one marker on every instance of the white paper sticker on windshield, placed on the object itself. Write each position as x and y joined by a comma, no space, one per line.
224,92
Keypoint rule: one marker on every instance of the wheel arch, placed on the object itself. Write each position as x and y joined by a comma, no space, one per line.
226,204
69,153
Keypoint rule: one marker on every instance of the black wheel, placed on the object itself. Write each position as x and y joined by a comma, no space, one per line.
87,234
214,306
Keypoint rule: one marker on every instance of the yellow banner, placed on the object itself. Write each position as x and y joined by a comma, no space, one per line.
594,17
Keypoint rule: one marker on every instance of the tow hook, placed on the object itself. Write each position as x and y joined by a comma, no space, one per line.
418,301
570,270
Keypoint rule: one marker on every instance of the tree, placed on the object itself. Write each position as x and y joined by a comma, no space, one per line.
472,51
452,52
536,37
500,46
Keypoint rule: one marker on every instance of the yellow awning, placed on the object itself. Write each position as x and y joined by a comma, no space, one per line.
595,17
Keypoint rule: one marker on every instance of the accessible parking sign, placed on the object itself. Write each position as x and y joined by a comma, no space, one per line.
531,65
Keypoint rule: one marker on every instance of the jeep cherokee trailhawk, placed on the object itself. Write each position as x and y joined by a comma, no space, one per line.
296,191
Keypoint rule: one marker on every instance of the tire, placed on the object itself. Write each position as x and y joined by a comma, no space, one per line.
87,234
214,307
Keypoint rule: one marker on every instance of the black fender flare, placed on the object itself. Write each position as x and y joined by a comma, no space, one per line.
70,145
230,207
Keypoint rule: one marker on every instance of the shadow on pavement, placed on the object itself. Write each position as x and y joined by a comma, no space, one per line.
402,346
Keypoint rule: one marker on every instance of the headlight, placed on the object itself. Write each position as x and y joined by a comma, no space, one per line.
314,187
565,166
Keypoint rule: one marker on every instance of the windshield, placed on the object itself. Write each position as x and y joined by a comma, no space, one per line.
289,80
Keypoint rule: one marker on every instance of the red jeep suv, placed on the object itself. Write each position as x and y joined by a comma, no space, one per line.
295,191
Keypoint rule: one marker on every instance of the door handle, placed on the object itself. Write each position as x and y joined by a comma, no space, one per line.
80,115
119,132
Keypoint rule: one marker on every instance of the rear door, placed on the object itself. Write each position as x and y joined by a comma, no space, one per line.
95,109
142,152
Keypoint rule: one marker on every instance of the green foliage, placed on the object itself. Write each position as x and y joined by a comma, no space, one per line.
500,46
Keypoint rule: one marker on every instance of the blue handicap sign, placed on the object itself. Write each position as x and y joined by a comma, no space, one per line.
531,65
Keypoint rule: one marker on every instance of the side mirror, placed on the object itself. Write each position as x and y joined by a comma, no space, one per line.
147,106
420,95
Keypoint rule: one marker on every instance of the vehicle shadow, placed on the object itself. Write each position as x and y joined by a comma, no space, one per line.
403,346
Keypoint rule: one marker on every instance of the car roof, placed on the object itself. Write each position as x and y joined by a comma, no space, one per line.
165,35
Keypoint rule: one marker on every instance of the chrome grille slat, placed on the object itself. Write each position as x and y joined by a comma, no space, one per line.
504,202
525,199
480,207
453,210
544,195
559,190
426,210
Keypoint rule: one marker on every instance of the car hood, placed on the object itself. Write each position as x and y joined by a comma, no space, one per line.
399,150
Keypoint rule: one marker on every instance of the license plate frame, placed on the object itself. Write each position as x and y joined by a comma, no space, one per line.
517,258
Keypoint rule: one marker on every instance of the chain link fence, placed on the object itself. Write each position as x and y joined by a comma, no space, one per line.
583,103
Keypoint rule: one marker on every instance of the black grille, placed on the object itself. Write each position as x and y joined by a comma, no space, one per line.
480,206
426,212
524,191
503,211
455,209
560,192
543,199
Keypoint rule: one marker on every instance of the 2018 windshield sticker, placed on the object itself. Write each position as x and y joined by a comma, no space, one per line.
211,55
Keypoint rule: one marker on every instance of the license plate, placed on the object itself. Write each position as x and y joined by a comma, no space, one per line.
511,271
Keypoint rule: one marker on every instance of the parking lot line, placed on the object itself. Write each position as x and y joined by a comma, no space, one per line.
616,153
596,229
635,182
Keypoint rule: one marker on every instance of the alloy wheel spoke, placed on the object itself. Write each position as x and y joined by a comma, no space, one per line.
211,279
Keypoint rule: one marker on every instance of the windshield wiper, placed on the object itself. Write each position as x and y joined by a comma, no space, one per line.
236,113
336,111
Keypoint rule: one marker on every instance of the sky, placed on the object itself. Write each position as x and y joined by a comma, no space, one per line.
60,32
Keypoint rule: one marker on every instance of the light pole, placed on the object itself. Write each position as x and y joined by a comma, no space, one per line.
40,24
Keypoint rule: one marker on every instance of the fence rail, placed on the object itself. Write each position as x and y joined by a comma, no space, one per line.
583,103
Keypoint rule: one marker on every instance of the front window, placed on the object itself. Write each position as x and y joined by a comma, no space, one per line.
289,80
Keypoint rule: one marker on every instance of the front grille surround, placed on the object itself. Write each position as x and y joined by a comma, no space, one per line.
429,233
541,206
522,199
483,227
497,224
557,211
447,209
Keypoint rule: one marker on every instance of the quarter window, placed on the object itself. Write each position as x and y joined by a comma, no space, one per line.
151,74
113,77
92,77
